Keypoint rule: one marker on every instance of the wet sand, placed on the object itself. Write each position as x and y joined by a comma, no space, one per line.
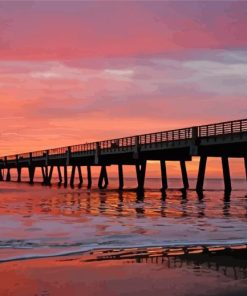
129,272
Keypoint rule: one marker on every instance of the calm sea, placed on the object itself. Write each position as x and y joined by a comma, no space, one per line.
44,221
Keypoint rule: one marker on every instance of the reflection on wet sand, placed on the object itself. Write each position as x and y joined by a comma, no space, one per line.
230,260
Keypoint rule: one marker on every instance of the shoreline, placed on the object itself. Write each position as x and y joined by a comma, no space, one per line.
135,271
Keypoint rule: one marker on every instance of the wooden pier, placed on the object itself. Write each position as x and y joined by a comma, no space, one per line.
225,140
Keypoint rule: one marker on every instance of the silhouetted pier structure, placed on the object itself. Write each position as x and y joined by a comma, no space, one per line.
225,140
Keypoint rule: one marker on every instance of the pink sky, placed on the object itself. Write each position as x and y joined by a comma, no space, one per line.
73,72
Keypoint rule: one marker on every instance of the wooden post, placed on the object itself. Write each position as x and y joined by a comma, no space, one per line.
50,175
120,176
184,174
103,178
140,174
31,170
72,177
226,174
245,164
1,175
18,174
163,175
201,174
65,176
8,177
89,177
43,175
80,175
59,175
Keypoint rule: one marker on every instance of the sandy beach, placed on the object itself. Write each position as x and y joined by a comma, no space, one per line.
134,273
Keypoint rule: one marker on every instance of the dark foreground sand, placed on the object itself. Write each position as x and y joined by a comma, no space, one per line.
138,272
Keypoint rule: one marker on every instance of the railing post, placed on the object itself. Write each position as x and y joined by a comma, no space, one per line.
46,157
68,155
194,141
97,153
137,146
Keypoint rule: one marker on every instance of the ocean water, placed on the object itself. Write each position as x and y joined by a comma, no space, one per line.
39,221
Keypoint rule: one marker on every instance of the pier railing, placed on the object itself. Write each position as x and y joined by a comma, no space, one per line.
123,144
222,128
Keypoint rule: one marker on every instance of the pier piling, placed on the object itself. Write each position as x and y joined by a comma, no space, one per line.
120,177
163,175
226,174
103,178
184,174
201,174
8,177
89,177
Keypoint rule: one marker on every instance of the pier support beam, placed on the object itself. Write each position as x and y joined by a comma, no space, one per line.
163,176
50,175
72,177
226,174
43,175
245,164
1,175
65,176
80,175
60,179
184,174
89,177
18,174
120,177
140,174
103,178
8,177
31,171
201,174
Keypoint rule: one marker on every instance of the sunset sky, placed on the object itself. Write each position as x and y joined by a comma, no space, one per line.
74,72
